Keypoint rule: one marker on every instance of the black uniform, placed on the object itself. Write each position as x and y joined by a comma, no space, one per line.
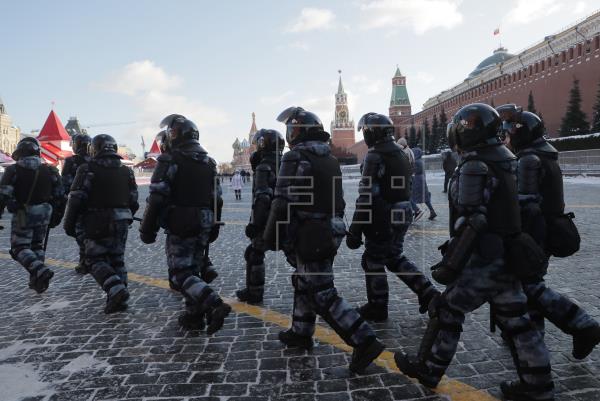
449,163
104,198
384,214
68,173
542,202
33,193
484,219
263,186
185,200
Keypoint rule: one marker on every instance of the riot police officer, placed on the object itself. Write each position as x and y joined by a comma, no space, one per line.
79,144
185,200
32,192
309,187
104,196
543,217
265,164
483,201
383,214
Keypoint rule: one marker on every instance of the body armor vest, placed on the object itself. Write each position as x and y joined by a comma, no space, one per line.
193,185
41,193
396,181
504,215
327,185
271,161
110,187
551,186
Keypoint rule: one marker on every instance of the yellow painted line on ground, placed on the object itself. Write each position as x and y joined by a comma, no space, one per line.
456,390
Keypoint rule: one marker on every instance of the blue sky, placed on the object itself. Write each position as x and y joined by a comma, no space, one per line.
217,62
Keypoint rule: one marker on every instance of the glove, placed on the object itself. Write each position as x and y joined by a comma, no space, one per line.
69,229
147,237
55,220
214,234
353,241
252,230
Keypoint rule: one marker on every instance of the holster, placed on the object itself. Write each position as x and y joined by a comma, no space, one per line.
563,238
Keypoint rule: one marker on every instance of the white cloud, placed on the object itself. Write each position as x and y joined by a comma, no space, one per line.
276,99
526,11
364,84
153,93
300,45
141,76
424,77
311,19
421,15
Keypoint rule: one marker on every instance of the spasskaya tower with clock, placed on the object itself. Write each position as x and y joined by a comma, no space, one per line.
342,128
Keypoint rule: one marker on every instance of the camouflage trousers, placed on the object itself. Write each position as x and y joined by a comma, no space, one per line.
27,237
255,268
487,281
80,239
545,303
390,253
106,258
186,259
315,294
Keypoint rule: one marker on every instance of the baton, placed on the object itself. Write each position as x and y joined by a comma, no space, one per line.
46,239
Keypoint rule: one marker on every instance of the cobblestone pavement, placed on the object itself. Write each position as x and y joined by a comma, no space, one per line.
60,346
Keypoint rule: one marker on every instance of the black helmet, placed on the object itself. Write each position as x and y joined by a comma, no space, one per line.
268,140
163,141
179,129
375,127
80,143
28,146
103,145
523,127
302,126
475,125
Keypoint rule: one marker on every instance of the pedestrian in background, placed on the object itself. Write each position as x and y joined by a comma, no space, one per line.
236,185
449,163
417,212
420,192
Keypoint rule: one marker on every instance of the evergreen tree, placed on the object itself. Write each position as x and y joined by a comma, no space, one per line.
435,135
426,138
419,138
406,133
492,103
443,142
574,122
531,103
412,137
596,112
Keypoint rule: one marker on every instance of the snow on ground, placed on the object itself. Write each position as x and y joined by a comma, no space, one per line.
19,381
580,179
43,307
84,362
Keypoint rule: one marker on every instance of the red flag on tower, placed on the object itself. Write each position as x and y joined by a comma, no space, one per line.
496,31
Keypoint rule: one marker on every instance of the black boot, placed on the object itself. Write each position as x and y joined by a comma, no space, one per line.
209,274
518,391
425,300
216,318
117,302
584,341
291,339
81,268
412,367
373,313
432,215
40,279
245,295
364,355
191,321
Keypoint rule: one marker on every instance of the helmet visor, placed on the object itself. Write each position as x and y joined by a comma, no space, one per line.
288,113
168,120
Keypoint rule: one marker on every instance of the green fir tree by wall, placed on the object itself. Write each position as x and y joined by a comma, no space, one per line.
574,122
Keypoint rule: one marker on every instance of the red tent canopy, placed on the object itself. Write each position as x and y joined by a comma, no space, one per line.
53,130
154,149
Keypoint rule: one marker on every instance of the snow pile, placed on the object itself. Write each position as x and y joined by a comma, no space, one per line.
573,137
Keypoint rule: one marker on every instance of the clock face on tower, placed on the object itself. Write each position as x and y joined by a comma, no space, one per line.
342,114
